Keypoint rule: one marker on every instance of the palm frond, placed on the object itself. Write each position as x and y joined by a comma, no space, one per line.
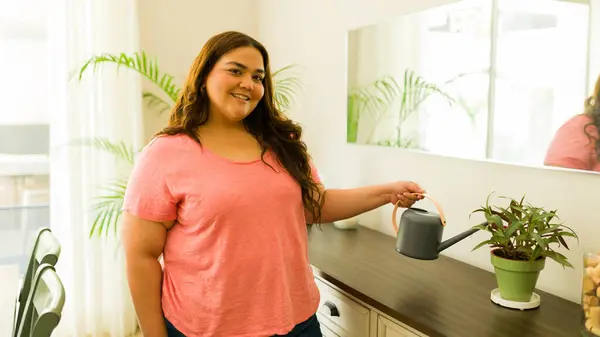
374,99
378,97
107,208
416,91
286,87
119,149
138,62
154,101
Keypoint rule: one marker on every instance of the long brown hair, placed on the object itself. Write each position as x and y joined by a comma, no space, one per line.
592,109
272,129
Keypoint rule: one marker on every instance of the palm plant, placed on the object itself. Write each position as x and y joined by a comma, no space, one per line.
107,206
386,95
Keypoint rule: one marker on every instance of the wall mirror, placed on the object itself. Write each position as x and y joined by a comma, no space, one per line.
478,79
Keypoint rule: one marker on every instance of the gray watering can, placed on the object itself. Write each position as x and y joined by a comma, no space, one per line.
419,234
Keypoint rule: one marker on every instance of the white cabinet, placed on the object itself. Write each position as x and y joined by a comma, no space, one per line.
341,315
326,332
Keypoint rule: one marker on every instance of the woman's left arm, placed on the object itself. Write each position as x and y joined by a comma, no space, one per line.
346,203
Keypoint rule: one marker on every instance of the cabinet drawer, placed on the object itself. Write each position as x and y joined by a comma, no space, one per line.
341,314
326,332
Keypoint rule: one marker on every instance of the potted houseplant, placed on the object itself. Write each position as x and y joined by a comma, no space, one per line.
522,238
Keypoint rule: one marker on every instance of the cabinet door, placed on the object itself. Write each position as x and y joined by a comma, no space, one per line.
387,328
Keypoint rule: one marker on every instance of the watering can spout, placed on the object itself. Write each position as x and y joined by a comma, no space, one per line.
456,239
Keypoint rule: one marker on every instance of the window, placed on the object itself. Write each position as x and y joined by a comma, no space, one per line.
24,127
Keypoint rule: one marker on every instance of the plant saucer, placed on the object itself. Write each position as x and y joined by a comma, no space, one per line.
533,303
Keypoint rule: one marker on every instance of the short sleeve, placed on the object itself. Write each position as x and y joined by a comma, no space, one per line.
571,147
148,193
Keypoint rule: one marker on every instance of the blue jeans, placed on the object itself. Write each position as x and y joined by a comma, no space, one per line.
308,328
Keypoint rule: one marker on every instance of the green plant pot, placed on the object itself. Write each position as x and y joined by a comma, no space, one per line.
516,279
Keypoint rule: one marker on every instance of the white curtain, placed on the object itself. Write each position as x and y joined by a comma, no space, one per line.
104,104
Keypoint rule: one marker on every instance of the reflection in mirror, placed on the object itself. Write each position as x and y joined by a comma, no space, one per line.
478,79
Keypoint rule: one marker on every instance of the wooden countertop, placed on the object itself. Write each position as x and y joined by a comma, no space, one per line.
440,298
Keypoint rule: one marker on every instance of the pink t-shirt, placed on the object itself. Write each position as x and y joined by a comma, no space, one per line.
236,260
572,148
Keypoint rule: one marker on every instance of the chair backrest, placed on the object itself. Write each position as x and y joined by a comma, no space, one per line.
46,250
44,305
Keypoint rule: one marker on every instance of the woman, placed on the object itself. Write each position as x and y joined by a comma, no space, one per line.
224,192
576,144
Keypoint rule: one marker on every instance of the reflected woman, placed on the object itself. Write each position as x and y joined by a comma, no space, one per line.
576,144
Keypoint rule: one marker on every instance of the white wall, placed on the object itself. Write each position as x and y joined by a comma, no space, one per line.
313,34
175,31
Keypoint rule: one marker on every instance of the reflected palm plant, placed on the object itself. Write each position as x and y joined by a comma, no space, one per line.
386,96
107,206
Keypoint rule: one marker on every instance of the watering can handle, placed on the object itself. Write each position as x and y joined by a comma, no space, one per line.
439,209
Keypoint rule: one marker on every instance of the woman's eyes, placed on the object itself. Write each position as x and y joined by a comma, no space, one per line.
238,72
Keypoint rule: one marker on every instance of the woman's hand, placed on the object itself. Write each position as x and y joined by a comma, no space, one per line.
404,192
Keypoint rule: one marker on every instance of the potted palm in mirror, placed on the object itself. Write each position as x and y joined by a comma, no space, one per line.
107,206
522,238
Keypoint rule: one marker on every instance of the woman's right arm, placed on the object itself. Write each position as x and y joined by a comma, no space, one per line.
143,242
149,210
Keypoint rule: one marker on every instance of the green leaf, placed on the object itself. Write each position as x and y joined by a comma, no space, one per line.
563,242
536,253
572,232
538,239
569,234
139,63
482,227
495,219
561,259
481,244
550,229
108,208
516,209
505,214
285,87
501,215
512,228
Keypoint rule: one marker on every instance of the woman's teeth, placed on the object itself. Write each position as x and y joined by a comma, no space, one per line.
242,97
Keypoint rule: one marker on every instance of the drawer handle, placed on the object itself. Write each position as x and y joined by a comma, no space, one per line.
333,310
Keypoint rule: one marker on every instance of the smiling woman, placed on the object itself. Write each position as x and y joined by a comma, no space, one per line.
224,193
240,81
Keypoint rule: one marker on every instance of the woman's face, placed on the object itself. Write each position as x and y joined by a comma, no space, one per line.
235,84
